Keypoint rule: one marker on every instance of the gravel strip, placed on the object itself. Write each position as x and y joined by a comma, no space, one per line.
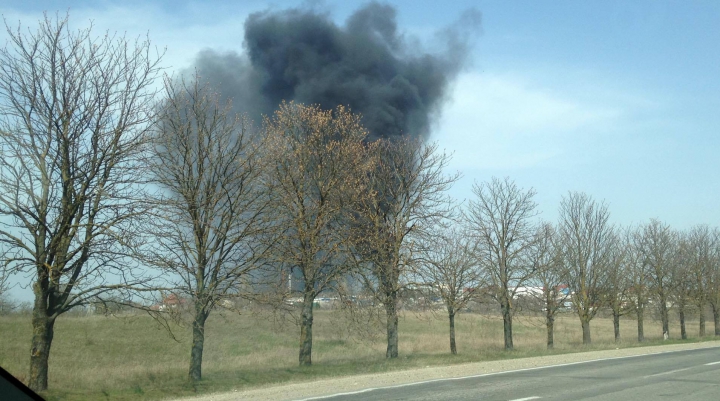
294,391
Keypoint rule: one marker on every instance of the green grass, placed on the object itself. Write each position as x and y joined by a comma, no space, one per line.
132,358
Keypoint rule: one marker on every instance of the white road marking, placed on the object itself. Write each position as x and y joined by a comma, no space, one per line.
322,397
526,398
667,373
712,363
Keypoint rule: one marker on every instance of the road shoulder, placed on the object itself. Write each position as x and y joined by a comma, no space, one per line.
319,388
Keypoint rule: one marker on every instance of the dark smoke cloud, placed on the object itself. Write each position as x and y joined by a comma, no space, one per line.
367,64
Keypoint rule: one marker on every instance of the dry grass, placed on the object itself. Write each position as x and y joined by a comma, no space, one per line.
133,358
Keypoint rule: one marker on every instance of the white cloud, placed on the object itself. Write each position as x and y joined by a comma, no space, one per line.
506,121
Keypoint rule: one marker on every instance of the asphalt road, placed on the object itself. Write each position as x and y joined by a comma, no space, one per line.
675,375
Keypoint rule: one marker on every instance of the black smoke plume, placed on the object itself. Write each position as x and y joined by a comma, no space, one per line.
367,64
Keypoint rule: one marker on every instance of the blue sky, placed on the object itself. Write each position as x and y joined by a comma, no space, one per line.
617,99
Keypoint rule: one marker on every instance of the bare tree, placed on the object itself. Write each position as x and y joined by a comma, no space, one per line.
713,286
75,113
551,274
407,202
317,164
700,243
683,288
585,238
639,277
681,296
500,218
448,266
659,249
209,212
618,284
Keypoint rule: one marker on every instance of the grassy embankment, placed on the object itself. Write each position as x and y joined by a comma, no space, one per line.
132,358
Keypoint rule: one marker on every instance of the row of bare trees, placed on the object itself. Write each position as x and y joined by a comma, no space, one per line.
647,265
111,189
305,193
583,262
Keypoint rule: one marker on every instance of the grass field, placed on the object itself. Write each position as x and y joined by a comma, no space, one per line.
132,358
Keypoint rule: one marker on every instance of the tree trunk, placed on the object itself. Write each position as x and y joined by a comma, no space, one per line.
550,325
664,317
550,319
701,329
306,322
43,331
585,323
640,323
507,321
392,325
451,315
716,319
616,325
198,342
683,333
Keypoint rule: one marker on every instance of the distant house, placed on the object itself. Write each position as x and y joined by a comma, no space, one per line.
563,289
172,302
528,291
